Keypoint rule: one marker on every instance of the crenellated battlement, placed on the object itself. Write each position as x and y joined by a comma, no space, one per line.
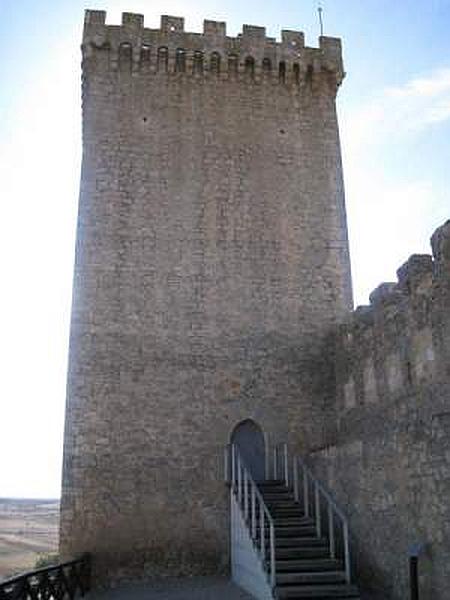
171,49
389,454
399,339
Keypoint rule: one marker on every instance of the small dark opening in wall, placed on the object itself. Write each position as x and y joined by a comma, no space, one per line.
145,52
282,131
145,119
214,63
233,64
409,372
266,65
162,58
250,66
282,71
180,60
198,62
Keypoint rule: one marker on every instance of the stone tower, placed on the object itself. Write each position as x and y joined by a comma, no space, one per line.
212,266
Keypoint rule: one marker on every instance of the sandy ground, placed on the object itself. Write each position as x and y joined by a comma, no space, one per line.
28,528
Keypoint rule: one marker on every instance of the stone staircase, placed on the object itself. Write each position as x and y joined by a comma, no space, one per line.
303,565
289,539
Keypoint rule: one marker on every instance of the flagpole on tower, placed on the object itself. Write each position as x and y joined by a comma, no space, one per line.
320,11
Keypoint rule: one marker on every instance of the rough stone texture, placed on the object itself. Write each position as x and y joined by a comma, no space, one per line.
211,269
390,463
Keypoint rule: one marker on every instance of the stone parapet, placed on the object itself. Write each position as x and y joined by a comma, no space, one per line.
171,49
399,340
389,466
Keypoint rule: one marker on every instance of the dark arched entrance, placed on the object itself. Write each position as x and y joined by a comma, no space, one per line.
248,438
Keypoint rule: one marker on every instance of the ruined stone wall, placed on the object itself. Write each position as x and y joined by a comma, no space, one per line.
211,266
390,464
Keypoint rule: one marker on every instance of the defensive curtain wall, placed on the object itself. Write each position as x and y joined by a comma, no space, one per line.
211,268
390,463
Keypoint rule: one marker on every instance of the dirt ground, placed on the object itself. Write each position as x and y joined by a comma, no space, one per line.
28,529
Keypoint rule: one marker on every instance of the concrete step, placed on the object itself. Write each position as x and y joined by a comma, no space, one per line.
276,490
310,565
319,577
271,483
285,506
274,504
322,592
279,513
287,521
298,552
299,542
282,531
281,501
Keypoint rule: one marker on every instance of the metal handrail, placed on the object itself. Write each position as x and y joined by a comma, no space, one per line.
253,509
63,580
315,502
308,490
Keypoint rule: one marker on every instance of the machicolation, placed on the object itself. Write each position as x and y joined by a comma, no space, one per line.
251,56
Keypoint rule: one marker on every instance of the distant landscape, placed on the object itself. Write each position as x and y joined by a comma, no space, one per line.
28,532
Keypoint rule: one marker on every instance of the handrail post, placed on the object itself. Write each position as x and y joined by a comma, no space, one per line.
226,467
239,467
253,512
305,492
275,461
317,510
331,531
346,552
272,557
233,466
245,495
262,533
295,477
286,465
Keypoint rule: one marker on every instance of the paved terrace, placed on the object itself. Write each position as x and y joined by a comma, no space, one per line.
195,588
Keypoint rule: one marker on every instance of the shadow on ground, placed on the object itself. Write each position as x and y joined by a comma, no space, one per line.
196,588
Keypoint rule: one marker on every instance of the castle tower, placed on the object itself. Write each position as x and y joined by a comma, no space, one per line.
211,266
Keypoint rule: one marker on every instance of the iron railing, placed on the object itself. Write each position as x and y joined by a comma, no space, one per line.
254,511
59,582
317,503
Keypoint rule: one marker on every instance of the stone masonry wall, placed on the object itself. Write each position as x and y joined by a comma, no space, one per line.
390,463
211,267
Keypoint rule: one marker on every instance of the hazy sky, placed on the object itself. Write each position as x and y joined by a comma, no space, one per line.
394,111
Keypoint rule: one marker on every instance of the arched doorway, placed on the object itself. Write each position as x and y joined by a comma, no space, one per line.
248,438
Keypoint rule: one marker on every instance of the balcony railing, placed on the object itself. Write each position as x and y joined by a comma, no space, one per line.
64,581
